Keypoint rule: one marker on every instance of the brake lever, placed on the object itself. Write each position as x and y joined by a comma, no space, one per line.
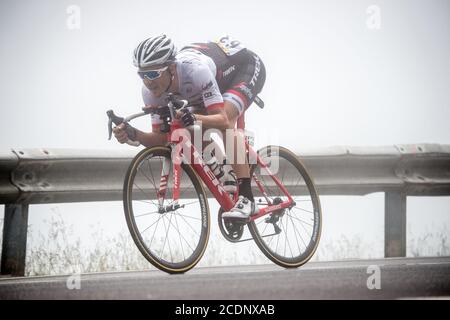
177,104
112,118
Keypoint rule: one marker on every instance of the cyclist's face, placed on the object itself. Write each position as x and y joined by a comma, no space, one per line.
159,85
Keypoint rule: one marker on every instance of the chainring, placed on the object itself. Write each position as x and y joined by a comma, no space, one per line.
232,231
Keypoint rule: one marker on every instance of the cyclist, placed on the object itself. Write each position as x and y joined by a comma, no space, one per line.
220,79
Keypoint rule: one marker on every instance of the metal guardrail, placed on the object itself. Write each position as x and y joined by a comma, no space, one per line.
32,176
8,191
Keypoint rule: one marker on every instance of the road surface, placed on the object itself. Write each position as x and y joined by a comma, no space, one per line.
395,278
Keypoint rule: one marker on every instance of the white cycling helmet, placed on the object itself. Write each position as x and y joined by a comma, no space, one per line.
154,51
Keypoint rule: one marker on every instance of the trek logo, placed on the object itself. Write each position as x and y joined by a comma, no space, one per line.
176,181
212,177
207,170
257,69
228,71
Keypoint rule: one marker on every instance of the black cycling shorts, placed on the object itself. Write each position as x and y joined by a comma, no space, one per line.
240,76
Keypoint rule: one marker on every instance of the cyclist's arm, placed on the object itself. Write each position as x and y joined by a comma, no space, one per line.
212,99
150,139
147,139
216,118
155,137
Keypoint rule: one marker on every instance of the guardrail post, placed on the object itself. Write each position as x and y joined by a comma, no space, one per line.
395,225
14,239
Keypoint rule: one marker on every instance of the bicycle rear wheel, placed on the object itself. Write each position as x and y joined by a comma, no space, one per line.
171,239
288,237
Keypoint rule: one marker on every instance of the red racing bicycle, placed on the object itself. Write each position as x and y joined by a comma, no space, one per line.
166,204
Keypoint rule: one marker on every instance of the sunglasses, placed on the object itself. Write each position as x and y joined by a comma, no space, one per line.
152,74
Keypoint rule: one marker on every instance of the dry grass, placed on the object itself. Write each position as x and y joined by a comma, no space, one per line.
62,252
57,253
430,244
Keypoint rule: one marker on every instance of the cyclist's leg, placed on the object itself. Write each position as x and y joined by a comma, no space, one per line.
237,156
243,90
244,87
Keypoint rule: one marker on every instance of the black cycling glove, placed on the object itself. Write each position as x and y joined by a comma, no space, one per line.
188,118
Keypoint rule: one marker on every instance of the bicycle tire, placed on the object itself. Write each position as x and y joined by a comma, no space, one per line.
160,263
311,246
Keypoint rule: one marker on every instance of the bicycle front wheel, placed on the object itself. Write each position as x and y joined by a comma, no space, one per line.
288,237
172,238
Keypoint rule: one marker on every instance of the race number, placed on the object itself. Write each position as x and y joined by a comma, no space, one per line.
229,45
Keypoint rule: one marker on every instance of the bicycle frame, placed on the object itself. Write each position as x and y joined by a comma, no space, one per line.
253,155
207,176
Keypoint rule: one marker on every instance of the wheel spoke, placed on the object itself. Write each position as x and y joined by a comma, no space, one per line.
146,214
286,235
152,180
157,221
154,231
143,192
145,201
265,227
165,239
309,224
271,238
303,209
182,217
181,235
309,234
295,230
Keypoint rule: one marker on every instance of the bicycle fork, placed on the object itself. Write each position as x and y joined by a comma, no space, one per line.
162,190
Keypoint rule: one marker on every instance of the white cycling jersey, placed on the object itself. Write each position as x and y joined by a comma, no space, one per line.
197,84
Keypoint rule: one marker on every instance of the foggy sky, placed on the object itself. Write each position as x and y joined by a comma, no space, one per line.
330,79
